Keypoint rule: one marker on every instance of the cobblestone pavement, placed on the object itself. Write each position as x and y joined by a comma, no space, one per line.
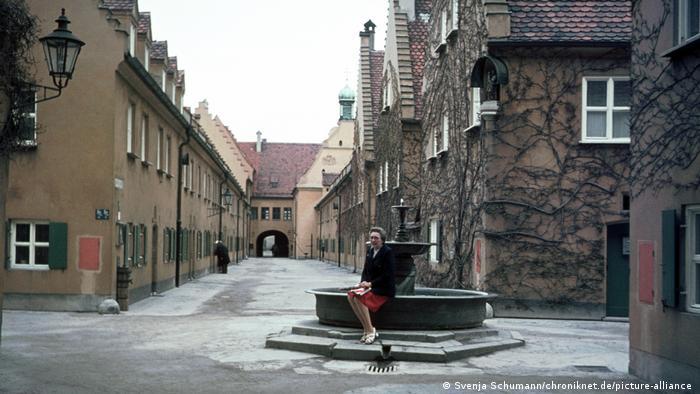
208,336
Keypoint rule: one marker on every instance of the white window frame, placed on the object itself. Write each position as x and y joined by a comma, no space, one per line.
443,27
159,148
146,57
445,133
398,175
433,231
683,27
476,107
144,137
692,259
163,80
386,175
454,22
435,138
130,127
609,109
380,179
132,39
32,244
166,155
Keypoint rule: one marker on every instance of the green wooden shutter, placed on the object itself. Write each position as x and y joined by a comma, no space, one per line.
669,258
58,246
8,244
439,241
137,244
144,245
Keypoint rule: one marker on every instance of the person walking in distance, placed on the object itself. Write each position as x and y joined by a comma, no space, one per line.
222,258
377,284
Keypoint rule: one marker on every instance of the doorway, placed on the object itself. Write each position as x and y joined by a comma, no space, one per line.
618,270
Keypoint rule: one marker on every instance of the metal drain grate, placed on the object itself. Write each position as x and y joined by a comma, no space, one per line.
592,368
380,369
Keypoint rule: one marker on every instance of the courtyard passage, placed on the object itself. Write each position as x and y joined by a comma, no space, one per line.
208,336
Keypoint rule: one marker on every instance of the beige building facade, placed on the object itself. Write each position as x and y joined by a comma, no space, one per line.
109,177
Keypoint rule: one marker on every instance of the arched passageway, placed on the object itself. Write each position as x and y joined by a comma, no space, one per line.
277,244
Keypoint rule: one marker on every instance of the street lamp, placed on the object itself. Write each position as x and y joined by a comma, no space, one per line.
228,197
61,49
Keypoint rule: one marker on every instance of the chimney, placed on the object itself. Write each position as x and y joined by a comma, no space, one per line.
258,144
497,18
367,35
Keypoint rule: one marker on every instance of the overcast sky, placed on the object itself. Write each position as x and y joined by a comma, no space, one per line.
275,66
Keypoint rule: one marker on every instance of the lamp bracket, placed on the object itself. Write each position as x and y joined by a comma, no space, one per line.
46,93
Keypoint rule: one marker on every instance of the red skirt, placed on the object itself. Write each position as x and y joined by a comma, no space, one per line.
372,301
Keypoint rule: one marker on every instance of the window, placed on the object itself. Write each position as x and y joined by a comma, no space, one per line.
687,21
159,149
130,128
445,133
162,80
476,106
144,137
166,245
146,57
693,258
380,179
27,117
138,234
265,213
442,32
253,213
398,174
435,142
276,213
454,19
132,39
386,175
30,245
166,156
287,214
606,109
434,232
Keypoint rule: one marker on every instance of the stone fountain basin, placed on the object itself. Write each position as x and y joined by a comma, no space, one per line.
428,309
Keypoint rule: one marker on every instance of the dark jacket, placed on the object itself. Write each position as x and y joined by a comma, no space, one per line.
380,270
221,252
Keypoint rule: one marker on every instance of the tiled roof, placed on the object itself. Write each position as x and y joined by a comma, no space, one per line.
159,50
279,166
424,6
570,21
172,63
376,67
329,178
119,5
418,38
144,22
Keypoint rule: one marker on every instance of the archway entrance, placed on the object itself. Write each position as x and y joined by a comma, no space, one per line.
272,244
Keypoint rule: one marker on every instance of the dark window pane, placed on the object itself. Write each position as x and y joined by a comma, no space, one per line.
697,235
41,255
22,232
693,17
622,93
597,93
595,124
21,254
254,213
275,213
621,124
42,233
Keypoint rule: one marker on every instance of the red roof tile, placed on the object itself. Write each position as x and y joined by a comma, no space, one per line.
570,21
159,50
418,38
376,68
424,6
144,22
279,166
119,5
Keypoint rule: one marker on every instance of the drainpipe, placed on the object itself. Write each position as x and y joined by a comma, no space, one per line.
338,231
238,229
221,205
178,230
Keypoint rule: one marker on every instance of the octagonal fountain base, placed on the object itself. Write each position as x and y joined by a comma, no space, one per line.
427,309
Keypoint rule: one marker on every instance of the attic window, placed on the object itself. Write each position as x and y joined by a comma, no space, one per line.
274,181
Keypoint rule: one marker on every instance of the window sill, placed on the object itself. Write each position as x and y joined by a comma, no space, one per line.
168,176
146,163
432,159
442,153
25,145
474,127
132,155
161,172
684,48
608,142
452,34
440,48
27,267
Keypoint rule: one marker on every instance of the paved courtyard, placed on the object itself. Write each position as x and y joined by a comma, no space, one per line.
208,336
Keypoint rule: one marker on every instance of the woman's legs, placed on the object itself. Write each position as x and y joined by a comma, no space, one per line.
362,314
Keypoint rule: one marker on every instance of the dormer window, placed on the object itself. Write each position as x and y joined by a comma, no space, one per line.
132,39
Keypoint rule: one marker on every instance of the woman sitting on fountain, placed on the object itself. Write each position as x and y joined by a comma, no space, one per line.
377,284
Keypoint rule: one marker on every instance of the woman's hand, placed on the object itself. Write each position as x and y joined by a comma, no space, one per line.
366,285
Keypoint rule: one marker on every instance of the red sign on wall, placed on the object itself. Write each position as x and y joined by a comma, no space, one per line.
89,253
645,255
